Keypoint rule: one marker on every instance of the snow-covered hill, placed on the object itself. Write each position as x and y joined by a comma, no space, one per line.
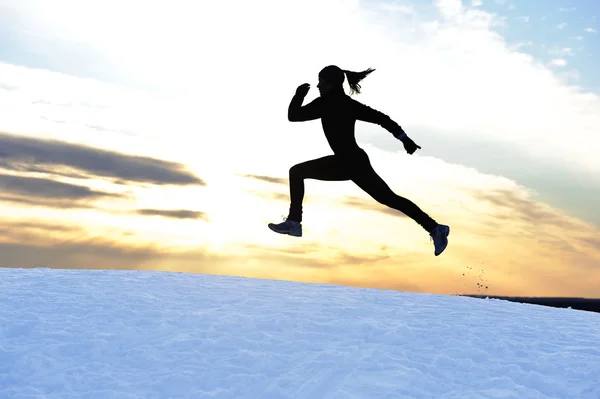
140,334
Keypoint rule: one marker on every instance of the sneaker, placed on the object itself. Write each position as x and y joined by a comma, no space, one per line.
439,236
289,227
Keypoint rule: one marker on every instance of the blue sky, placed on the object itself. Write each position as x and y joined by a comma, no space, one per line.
549,28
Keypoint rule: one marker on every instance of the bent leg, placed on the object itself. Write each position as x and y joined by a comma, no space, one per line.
327,168
370,182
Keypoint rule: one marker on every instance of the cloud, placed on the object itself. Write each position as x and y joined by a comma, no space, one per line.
562,25
51,245
49,192
558,62
95,254
268,195
512,205
520,45
305,255
45,202
474,56
269,179
311,254
23,230
306,248
591,30
593,242
348,259
173,214
43,244
25,154
7,87
449,8
398,8
561,52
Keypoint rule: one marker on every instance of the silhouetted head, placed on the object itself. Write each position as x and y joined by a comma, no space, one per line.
331,79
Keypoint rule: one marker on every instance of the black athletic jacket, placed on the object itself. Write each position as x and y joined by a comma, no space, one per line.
339,113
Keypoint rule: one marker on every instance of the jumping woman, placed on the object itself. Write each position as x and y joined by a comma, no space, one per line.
338,113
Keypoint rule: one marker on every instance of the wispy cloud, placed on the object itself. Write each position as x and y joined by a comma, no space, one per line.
173,214
559,62
561,52
268,179
50,192
591,30
528,43
25,154
511,205
571,77
398,8
99,253
268,195
43,228
594,242
43,202
562,25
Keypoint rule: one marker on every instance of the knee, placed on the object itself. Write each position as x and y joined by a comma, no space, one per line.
295,172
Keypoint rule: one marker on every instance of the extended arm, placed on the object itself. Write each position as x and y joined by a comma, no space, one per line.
368,114
299,113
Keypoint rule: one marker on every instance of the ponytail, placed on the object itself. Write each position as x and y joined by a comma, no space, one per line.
335,76
355,77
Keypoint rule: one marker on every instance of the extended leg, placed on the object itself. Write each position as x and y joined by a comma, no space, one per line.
373,184
368,180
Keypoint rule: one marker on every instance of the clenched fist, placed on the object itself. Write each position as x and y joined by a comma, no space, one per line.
302,90
410,145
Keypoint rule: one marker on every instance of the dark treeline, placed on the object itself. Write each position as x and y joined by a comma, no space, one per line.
591,305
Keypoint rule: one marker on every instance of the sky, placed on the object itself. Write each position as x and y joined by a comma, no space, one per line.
155,136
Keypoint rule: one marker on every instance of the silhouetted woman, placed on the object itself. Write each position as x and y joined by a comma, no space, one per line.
338,113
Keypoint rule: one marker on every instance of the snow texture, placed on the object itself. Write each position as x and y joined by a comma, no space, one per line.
142,334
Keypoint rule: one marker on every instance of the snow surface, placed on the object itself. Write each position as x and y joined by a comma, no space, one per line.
142,334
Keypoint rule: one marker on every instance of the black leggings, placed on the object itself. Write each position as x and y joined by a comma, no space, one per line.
357,168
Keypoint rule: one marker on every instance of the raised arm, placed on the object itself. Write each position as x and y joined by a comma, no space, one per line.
299,113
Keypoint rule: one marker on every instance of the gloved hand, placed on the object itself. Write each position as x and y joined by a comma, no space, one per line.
409,145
